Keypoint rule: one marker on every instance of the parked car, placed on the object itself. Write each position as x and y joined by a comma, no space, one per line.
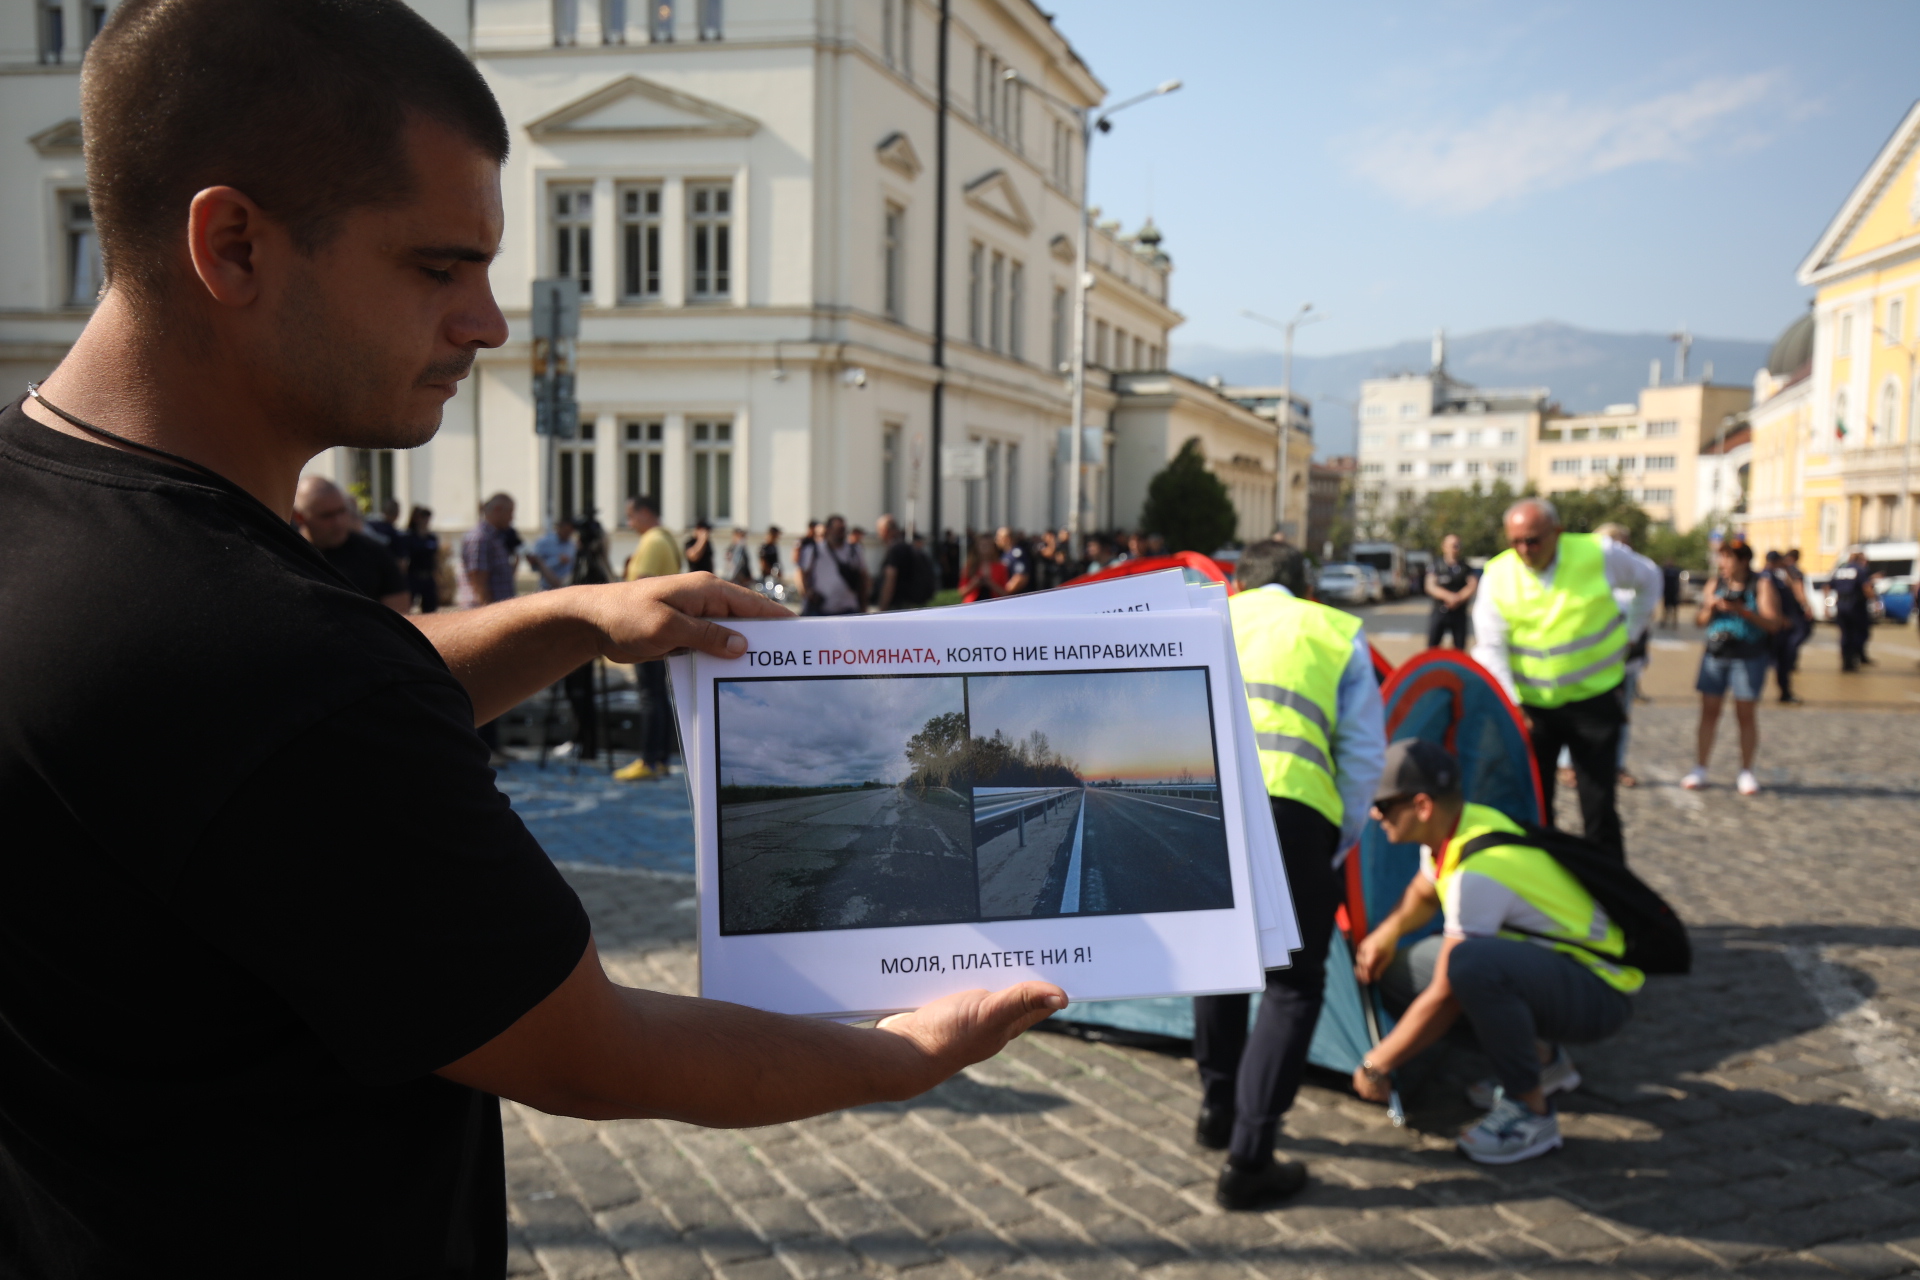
1376,583
1342,583
1896,598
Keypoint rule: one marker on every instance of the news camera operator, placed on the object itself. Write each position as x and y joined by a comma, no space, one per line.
203,986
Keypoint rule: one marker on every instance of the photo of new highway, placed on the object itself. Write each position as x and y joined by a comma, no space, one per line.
1120,808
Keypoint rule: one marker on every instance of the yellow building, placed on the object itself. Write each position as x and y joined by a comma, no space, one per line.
1777,511
1653,446
1857,476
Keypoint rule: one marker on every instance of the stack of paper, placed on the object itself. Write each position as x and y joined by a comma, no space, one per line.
1061,785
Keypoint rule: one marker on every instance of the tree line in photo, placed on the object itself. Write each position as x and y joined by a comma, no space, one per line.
943,754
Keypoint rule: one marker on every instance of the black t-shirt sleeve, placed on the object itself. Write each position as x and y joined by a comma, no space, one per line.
407,926
388,573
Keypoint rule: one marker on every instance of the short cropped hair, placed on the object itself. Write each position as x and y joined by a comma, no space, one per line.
641,502
1265,563
301,104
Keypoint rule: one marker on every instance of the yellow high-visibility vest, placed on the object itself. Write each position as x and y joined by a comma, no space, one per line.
1292,654
1548,888
1565,642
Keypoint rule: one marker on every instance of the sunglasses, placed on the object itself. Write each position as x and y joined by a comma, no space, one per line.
1383,810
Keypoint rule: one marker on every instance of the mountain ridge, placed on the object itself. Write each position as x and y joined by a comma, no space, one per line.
1583,369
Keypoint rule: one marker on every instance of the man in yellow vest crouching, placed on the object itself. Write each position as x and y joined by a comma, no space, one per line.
1526,955
1547,626
1317,720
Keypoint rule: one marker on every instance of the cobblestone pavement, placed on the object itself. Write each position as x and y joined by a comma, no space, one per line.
1760,1117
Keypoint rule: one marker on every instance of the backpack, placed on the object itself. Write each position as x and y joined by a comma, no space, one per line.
1656,937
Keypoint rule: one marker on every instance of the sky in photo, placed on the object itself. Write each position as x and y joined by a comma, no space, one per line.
821,733
1138,726
1481,163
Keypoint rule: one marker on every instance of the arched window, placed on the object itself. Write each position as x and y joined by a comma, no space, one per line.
1840,416
1889,412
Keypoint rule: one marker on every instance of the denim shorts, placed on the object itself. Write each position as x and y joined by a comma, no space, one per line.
1747,676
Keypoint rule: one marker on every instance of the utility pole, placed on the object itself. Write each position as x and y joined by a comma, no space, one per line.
939,283
556,414
1283,416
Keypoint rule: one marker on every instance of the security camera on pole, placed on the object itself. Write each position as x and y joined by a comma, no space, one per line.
556,414
1082,279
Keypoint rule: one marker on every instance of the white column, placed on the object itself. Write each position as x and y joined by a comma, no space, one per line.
606,480
676,474
606,245
673,243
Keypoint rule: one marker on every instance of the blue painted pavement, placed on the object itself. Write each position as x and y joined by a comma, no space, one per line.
581,814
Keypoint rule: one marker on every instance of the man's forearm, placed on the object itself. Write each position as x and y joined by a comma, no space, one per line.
510,651
1425,1021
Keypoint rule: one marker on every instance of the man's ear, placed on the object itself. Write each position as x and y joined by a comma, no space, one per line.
226,232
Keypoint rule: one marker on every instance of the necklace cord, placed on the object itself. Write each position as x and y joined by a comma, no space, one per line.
33,389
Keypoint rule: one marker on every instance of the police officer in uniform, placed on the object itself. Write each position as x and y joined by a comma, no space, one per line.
1852,609
1547,626
1318,722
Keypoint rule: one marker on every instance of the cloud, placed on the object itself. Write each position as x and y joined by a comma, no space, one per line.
1551,141
825,732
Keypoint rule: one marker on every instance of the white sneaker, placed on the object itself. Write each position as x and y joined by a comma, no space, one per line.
1558,1076
1510,1133
1748,784
1696,778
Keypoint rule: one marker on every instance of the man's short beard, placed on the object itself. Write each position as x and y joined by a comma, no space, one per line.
333,378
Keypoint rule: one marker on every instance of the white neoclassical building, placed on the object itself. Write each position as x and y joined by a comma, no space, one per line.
746,191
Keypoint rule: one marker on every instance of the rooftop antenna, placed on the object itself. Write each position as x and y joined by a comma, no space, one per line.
1685,340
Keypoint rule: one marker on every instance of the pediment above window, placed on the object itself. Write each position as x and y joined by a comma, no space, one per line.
631,107
896,152
1061,246
994,193
62,139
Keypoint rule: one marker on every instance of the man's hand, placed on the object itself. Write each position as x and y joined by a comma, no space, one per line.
1371,1089
1374,954
971,1026
648,619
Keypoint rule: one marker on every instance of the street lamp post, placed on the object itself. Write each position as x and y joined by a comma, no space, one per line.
1906,437
1088,123
1283,415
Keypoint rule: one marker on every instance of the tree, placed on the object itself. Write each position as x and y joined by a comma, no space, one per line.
1188,506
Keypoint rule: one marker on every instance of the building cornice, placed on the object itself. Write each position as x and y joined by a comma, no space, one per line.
1819,264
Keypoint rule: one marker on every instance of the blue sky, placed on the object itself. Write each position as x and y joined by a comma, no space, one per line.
1138,725
1479,163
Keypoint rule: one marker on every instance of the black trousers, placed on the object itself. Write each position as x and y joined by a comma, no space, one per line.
1445,622
656,714
1256,1076
1590,731
1786,653
586,716
1854,628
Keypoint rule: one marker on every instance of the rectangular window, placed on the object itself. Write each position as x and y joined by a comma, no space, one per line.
1016,311
712,471
1667,427
1661,462
712,19
1062,324
1016,129
573,235
1846,336
1896,317
886,31
1013,483
1373,411
576,477
1579,433
1659,497
1062,149
613,21
1406,468
1566,466
1153,358
893,270
1473,468
1371,440
710,222
1100,353
1408,440
82,267
639,243
906,38
976,294
1629,463
1505,468
1831,529
1440,440
997,304
1509,437
980,88
890,469
644,459
1438,469
1372,468
660,21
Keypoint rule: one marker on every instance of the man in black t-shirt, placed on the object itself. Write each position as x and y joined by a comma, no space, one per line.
205,996
320,509
904,581
1451,582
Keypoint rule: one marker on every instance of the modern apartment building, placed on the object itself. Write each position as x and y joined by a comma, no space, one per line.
1421,432
1654,446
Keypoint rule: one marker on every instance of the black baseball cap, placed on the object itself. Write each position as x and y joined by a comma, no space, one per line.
1416,766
